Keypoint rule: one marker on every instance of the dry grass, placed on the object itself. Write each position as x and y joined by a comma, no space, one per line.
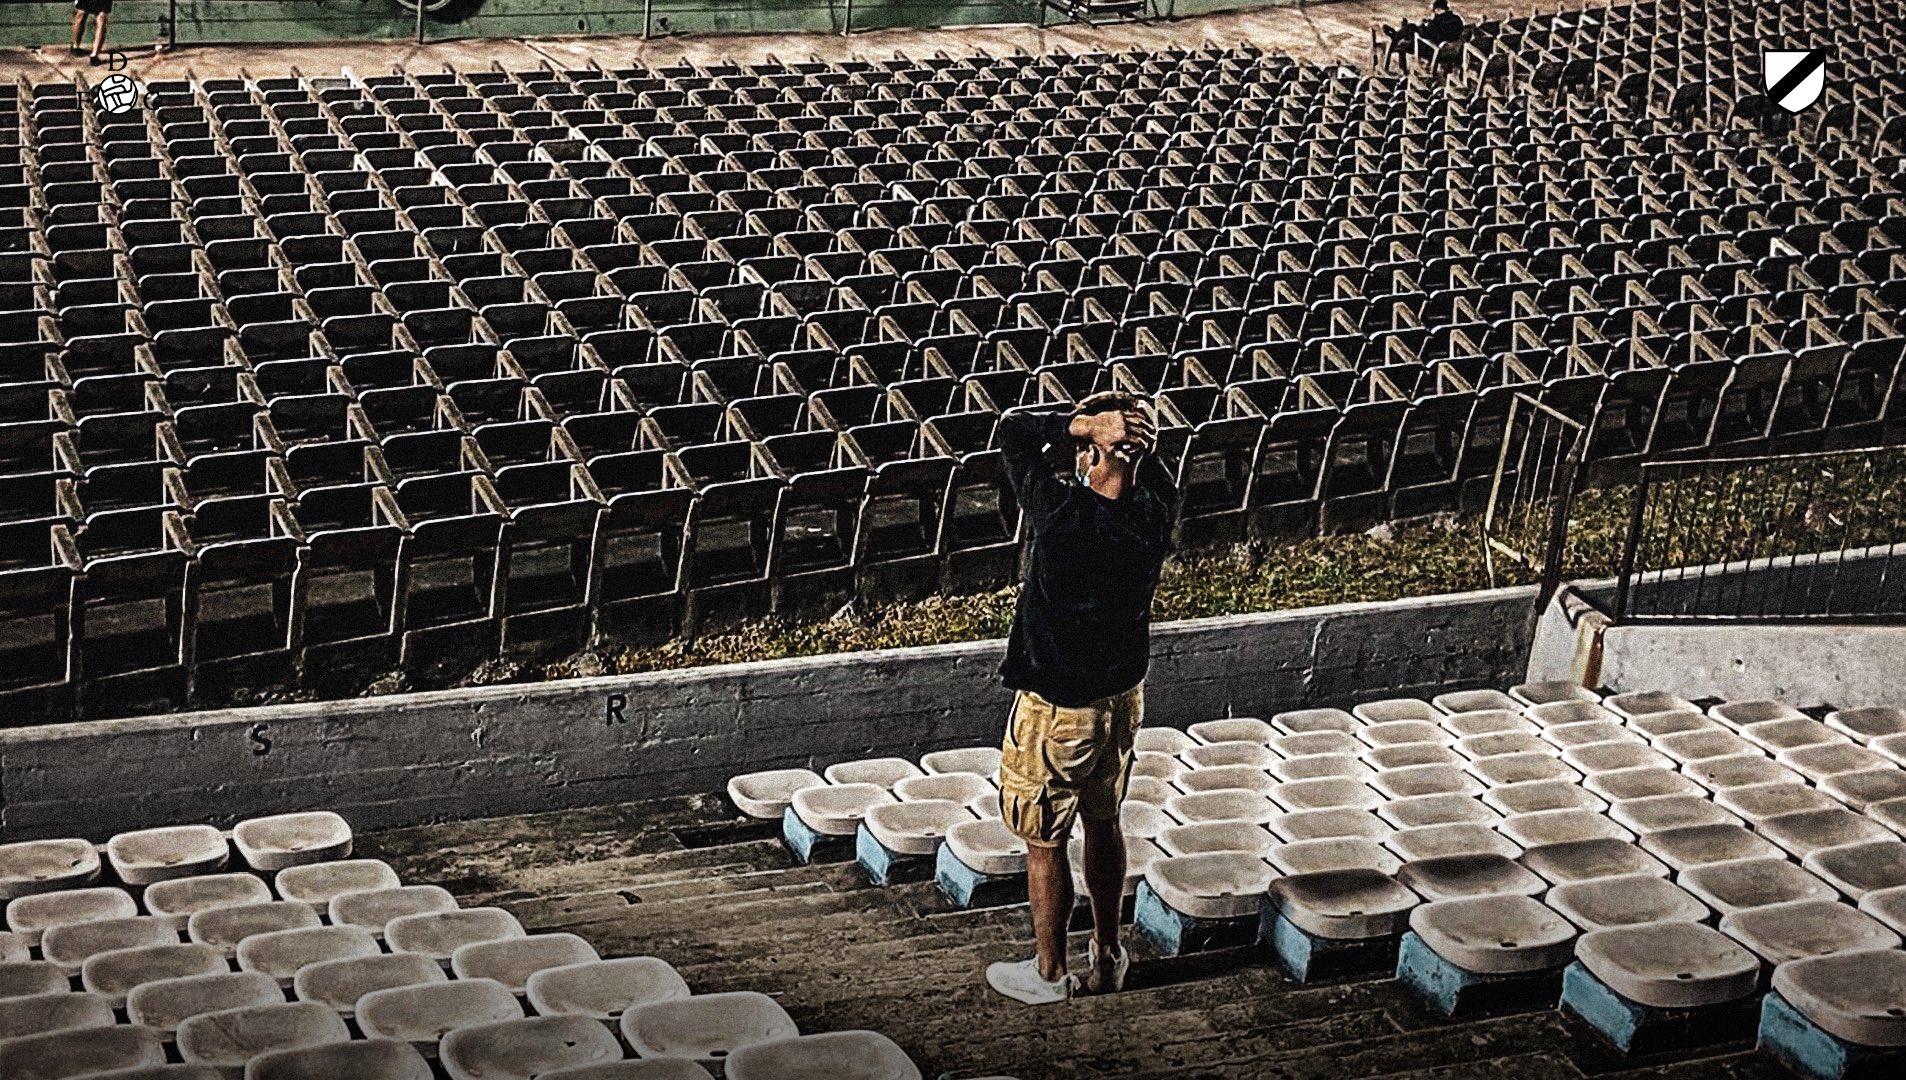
1389,562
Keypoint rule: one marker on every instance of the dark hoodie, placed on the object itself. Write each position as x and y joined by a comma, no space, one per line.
1082,627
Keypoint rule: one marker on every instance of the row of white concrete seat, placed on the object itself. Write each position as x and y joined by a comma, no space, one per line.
148,856
244,977
1642,832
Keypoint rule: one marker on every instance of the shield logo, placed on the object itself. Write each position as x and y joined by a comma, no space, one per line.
1793,78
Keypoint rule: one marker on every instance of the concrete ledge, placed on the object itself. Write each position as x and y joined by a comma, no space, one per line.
528,748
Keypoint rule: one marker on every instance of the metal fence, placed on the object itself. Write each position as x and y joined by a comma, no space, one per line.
142,24
1525,525
1802,537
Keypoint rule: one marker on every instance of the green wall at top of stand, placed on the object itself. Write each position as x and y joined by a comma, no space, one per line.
140,22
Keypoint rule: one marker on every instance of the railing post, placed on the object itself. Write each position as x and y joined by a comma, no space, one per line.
847,20
1630,549
420,21
172,24
648,17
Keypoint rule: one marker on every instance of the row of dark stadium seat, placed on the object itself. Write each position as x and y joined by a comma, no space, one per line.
534,357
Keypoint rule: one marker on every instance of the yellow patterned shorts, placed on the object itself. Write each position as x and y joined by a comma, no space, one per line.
1058,763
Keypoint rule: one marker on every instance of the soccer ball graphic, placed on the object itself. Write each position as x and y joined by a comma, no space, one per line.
116,94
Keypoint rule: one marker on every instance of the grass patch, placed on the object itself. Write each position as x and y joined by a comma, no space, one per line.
1390,562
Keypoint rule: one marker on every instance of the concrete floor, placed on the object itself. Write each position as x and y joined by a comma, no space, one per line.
719,898
1321,32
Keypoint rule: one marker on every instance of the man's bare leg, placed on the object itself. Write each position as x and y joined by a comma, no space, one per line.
79,27
1105,877
99,34
1049,888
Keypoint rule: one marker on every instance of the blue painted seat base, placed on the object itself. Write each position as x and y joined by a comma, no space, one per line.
1306,957
1635,1028
1804,1047
968,888
885,866
1174,933
1451,991
808,846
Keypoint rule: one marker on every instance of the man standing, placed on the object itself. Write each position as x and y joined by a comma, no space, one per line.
100,10
1077,655
1445,25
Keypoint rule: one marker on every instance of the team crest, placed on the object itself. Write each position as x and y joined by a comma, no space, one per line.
1793,78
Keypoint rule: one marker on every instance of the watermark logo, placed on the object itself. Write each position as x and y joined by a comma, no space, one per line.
1793,78
116,94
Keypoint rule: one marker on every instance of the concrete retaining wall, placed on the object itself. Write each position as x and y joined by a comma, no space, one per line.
1842,663
519,749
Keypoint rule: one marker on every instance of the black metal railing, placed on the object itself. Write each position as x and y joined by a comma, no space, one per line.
1525,526
1792,538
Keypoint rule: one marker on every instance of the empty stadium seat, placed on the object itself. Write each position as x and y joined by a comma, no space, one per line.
283,953
371,1059
768,794
373,909
35,866
706,1028
164,1004
30,916
1494,935
526,1048
151,855
270,844
439,934
319,883
603,989
230,1038
846,1054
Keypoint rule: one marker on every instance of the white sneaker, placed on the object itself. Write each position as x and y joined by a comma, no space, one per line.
1106,973
1021,981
